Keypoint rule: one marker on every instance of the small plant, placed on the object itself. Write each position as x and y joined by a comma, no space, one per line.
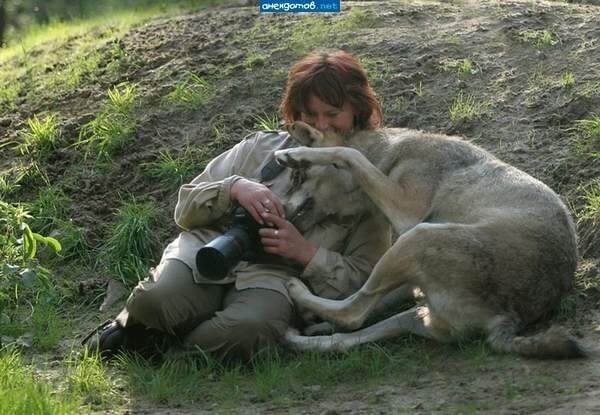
266,122
378,70
42,136
9,91
22,391
464,108
253,60
175,380
589,134
175,170
567,80
588,216
75,71
89,380
191,93
113,128
591,210
50,205
419,89
132,243
462,67
48,328
539,38
7,186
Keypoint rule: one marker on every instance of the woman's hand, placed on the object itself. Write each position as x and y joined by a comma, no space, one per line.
256,198
285,240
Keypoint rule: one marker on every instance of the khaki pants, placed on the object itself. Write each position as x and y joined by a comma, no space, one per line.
215,318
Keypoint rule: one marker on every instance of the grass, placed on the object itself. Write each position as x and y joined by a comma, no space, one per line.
191,93
132,243
89,380
462,67
567,80
79,69
588,136
310,32
464,108
41,138
175,169
588,216
9,91
377,70
21,391
113,127
539,38
47,327
50,205
267,122
120,20
276,376
8,186
254,59
591,209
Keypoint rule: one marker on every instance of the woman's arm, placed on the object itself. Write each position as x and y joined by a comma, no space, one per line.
337,275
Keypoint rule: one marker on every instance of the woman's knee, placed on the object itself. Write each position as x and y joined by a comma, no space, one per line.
239,339
172,299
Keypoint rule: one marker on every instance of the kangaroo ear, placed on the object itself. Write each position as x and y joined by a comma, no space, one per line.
304,134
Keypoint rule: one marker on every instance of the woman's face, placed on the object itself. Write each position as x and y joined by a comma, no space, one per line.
325,117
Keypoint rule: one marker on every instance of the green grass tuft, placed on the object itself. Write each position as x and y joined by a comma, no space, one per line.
591,210
190,93
41,138
114,126
50,205
9,91
254,59
88,379
567,80
464,108
175,170
132,243
77,70
21,391
588,140
267,122
539,38
462,67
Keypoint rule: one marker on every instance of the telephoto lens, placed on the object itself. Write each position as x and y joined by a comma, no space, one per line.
219,256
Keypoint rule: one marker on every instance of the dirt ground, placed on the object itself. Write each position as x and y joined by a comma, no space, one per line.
526,116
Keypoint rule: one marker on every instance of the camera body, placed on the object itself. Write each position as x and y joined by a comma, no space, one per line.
240,241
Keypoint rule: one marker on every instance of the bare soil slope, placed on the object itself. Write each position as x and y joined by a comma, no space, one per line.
522,108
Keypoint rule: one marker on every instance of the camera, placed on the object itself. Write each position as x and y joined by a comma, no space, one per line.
240,241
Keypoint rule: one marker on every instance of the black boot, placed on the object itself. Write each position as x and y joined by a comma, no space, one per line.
110,339
113,338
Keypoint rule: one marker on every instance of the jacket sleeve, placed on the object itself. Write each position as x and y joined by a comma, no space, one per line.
208,196
337,275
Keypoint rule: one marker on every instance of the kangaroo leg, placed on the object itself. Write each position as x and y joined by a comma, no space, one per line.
416,321
403,205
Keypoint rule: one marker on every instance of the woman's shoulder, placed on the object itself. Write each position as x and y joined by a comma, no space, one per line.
267,138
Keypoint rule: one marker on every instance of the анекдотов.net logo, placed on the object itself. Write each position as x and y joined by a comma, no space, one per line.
299,6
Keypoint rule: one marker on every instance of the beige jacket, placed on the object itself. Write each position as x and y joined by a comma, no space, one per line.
346,254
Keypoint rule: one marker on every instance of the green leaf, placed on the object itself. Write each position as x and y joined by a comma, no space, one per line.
29,243
49,241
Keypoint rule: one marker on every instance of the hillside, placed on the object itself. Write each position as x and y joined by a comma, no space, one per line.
132,113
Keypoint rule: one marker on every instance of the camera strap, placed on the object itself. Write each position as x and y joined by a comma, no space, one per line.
272,169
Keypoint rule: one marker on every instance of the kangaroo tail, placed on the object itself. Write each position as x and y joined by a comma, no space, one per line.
554,343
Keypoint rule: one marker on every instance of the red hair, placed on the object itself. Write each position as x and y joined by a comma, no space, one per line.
335,77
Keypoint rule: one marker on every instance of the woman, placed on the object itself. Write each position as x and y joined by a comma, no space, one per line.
249,310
